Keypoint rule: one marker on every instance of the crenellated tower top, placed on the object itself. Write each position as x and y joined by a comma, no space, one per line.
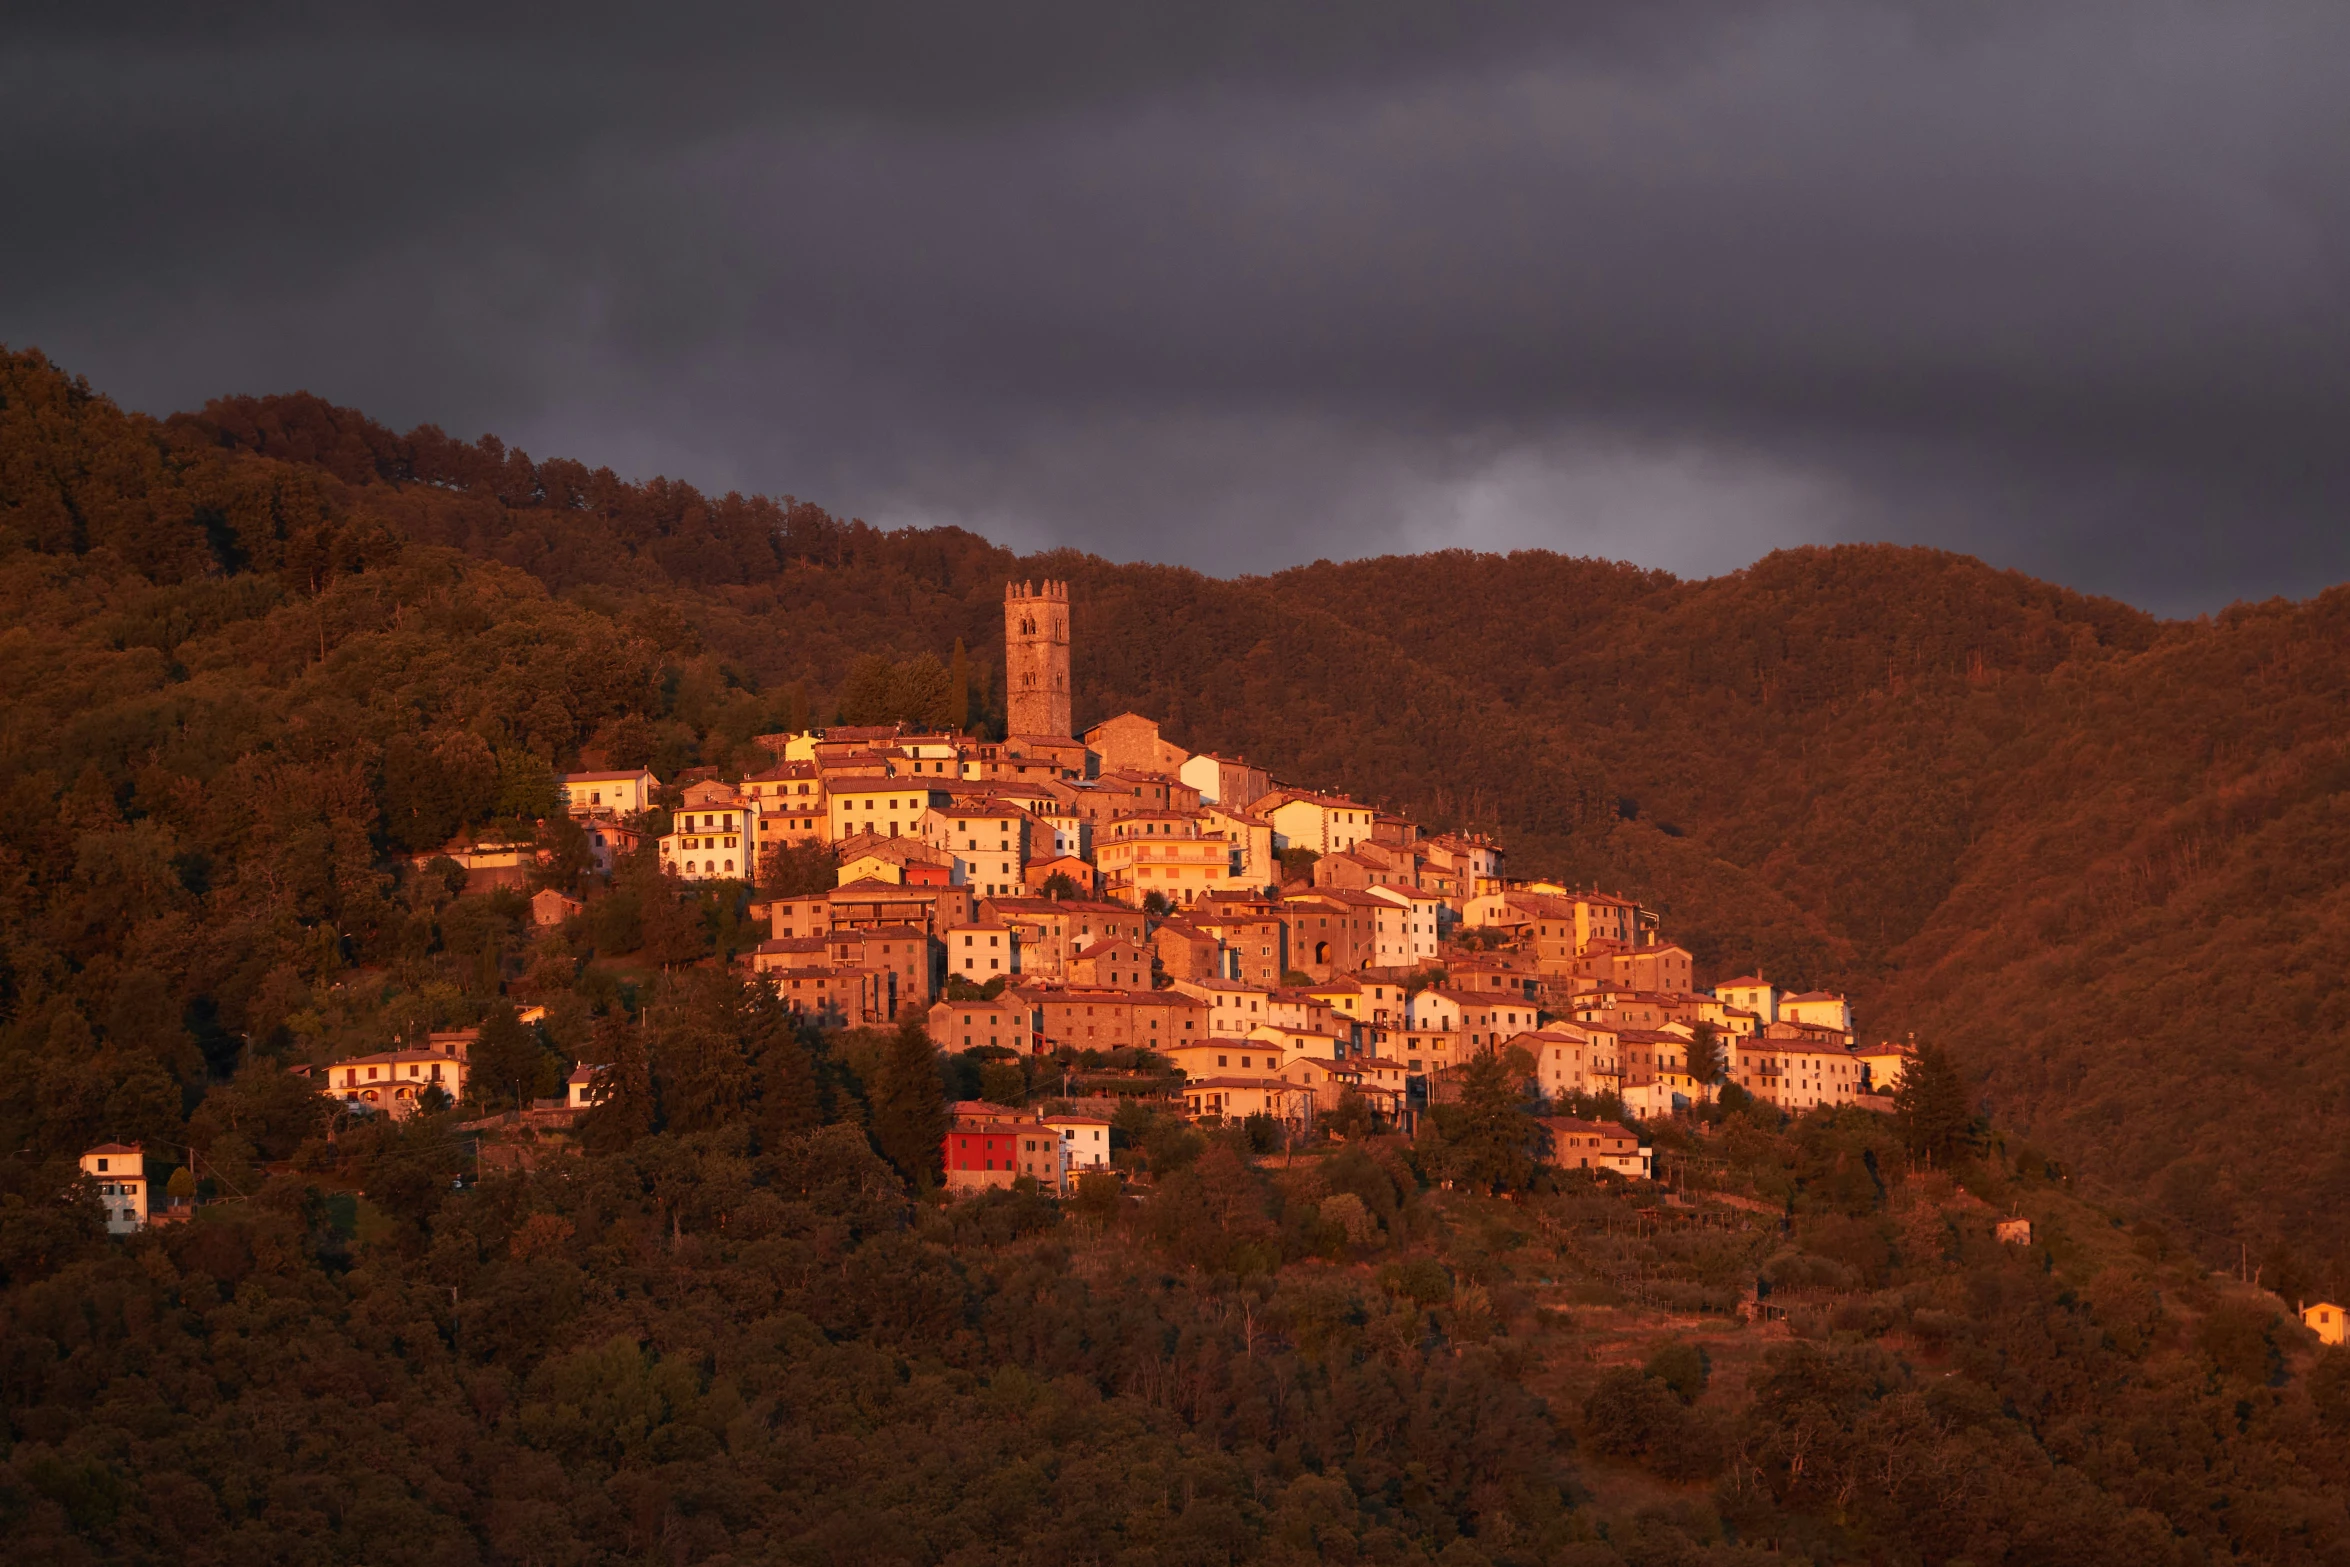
1022,592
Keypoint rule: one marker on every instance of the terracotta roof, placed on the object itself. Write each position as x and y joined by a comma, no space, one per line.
1575,1128
1793,1045
868,886
872,783
112,1148
390,1057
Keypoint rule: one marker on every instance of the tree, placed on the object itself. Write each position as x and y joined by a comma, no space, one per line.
918,691
909,1114
1003,1082
624,1109
1060,885
671,911
701,1069
1930,1106
1682,1366
510,1066
1706,1057
566,857
790,1099
1489,1138
793,869
526,786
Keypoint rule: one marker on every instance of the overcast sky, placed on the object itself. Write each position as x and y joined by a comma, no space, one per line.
1241,285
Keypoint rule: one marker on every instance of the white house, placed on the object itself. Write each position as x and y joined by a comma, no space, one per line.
1085,1140
579,1089
1568,1059
1433,1009
1818,1009
1417,936
710,837
982,951
1752,993
988,840
1320,822
623,794
1234,1007
120,1169
394,1081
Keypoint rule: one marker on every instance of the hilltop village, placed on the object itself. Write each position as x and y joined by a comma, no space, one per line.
1178,926
1285,950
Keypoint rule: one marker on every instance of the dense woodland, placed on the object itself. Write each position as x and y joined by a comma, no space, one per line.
257,655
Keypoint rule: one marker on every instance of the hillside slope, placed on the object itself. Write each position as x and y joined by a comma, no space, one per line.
2102,854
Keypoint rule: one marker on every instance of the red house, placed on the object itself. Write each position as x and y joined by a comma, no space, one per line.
990,1145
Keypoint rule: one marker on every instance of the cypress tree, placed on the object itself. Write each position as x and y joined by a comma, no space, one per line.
959,688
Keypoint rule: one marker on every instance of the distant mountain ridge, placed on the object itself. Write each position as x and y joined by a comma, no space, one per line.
2102,855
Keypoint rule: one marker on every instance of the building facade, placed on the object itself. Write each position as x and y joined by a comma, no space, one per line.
120,1171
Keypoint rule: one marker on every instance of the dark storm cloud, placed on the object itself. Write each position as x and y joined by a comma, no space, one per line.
1244,285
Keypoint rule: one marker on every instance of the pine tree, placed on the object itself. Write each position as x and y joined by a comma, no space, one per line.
1931,1106
909,1108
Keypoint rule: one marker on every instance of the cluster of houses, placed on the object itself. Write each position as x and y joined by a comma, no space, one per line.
1288,951
1112,891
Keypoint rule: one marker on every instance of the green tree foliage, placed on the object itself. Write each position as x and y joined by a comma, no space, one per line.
794,870
624,1108
909,1117
1003,1082
918,692
1637,1415
1708,1060
1931,1105
703,1067
1488,1138
1681,1366
510,1063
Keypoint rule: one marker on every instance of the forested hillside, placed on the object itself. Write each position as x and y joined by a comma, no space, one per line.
254,649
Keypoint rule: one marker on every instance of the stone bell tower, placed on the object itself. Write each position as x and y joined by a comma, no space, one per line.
1036,658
